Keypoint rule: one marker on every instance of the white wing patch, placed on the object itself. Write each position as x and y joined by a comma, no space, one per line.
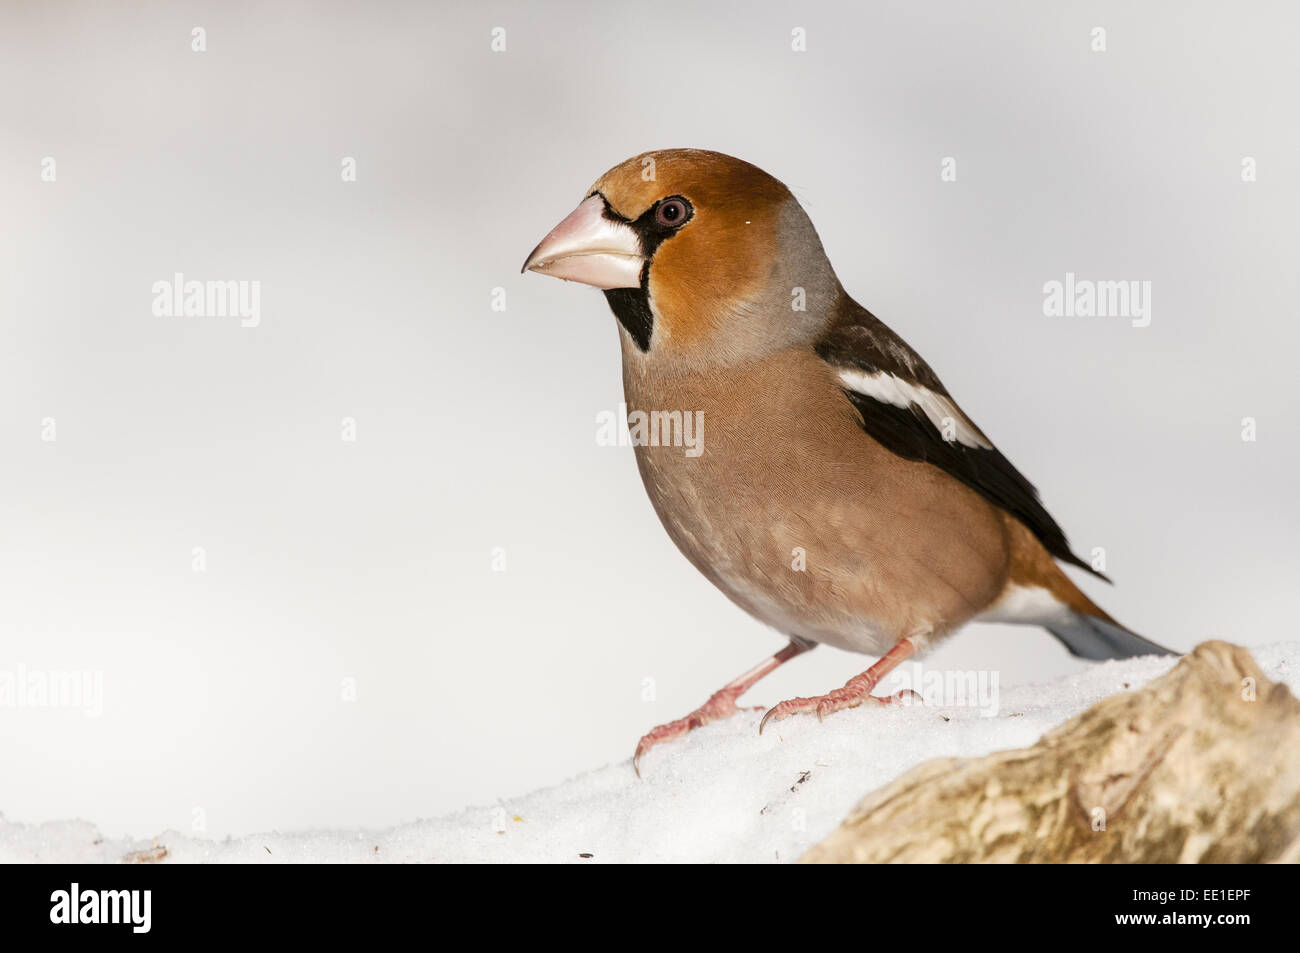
940,410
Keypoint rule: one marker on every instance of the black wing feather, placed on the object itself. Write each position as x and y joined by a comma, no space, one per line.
864,343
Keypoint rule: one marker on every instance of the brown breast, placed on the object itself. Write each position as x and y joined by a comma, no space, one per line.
805,521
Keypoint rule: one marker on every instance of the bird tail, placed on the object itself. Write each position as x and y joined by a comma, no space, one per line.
1090,637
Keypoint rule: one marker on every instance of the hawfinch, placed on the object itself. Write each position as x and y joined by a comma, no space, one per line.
839,493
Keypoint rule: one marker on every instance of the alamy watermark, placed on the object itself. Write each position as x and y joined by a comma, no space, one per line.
127,907
651,428
1084,298
179,298
25,687
946,688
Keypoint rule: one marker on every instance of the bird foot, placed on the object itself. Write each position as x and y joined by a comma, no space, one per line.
853,694
722,704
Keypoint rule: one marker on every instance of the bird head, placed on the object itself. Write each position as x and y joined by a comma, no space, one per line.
702,257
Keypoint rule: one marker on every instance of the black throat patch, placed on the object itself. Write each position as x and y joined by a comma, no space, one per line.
632,308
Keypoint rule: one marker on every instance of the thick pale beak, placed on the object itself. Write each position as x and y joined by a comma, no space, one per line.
590,248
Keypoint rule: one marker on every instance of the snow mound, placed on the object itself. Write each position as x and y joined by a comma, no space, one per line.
722,794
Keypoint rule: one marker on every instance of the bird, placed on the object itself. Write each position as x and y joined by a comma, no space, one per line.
839,494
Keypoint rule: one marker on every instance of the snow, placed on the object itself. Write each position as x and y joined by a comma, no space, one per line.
722,794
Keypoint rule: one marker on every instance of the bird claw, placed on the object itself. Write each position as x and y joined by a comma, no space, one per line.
850,696
721,704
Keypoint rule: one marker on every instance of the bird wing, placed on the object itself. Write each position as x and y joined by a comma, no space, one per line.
904,406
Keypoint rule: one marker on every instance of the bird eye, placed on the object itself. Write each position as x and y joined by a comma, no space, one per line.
672,212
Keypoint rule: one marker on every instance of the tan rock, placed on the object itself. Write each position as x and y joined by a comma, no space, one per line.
1201,765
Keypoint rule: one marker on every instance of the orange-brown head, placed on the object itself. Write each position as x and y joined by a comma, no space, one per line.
703,258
